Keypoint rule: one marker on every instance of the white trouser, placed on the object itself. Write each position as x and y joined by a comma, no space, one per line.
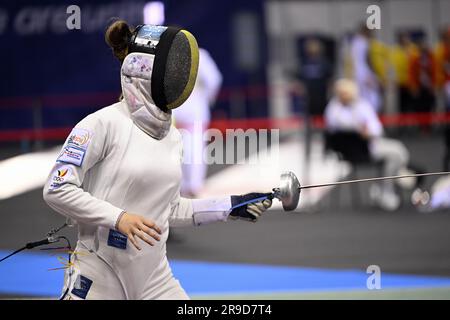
106,284
194,165
192,119
394,155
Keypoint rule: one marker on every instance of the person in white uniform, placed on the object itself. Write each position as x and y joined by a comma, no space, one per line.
193,117
118,174
365,77
348,111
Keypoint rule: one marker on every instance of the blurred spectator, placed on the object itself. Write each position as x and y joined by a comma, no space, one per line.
363,71
446,162
422,77
346,66
379,60
442,55
348,111
401,55
440,191
194,116
315,73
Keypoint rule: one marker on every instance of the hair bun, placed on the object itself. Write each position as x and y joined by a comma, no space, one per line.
117,36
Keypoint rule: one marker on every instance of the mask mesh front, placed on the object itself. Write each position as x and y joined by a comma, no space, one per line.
178,67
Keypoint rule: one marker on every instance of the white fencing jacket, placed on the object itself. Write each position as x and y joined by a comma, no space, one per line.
108,165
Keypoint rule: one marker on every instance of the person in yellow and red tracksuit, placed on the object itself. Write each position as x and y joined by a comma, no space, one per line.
422,78
400,57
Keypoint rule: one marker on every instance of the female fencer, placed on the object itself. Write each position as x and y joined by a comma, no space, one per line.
118,174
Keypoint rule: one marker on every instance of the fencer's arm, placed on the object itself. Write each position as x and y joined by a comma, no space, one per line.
198,212
63,191
188,212
72,202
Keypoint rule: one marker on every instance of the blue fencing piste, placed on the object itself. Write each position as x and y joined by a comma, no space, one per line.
27,274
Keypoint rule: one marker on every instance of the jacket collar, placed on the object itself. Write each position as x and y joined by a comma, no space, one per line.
144,113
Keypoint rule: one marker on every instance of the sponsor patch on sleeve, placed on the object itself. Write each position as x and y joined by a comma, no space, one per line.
75,149
60,177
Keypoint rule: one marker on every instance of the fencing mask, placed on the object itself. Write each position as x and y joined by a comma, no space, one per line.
160,70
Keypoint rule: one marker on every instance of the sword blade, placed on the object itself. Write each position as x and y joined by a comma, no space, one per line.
374,179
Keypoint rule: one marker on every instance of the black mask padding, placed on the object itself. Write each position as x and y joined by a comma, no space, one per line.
175,65
178,68
159,67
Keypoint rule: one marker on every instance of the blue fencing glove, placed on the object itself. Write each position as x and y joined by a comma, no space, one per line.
250,206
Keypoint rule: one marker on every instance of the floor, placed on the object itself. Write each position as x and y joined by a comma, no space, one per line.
319,251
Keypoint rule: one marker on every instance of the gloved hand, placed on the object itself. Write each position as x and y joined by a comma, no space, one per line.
251,211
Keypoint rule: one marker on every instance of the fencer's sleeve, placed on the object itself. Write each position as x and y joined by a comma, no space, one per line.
188,212
86,146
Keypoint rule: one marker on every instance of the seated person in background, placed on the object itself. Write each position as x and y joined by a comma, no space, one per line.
348,112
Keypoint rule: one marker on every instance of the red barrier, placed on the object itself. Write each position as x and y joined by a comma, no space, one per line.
292,123
97,99
87,100
31,134
318,122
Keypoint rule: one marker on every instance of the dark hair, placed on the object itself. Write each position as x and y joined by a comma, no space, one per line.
117,36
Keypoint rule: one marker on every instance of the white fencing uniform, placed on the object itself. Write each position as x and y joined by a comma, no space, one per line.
364,76
194,116
108,165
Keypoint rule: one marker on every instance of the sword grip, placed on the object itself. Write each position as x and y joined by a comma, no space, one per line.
267,196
